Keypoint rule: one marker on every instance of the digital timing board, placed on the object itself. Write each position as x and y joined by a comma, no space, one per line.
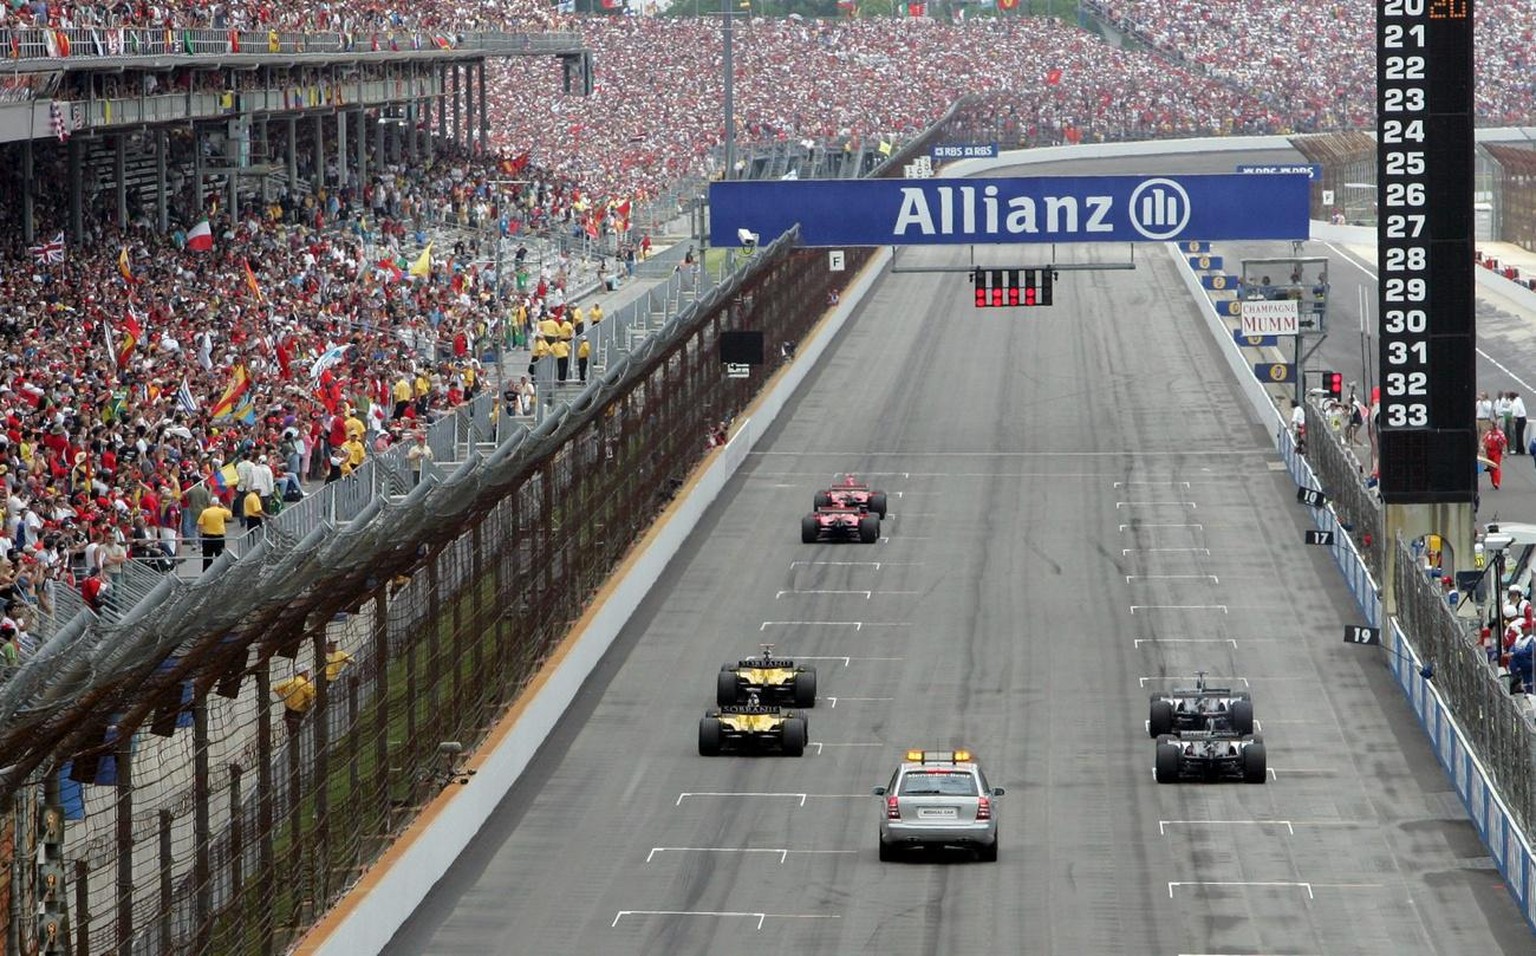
1426,299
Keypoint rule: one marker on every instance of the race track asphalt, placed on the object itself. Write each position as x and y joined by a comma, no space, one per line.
1080,513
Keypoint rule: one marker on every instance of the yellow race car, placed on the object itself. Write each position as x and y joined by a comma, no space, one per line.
752,727
777,680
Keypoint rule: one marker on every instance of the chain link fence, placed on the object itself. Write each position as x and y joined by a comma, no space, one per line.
1498,727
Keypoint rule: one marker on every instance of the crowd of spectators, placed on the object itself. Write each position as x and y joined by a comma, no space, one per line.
1315,63
105,431
346,351
341,16
645,125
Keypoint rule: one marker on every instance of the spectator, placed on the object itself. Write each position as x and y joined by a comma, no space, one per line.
419,454
211,522
336,661
298,695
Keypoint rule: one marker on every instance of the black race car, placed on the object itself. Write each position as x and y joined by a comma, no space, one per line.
776,680
1210,756
1201,707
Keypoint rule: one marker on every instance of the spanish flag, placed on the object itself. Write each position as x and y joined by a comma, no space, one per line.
239,384
423,264
129,334
123,269
250,280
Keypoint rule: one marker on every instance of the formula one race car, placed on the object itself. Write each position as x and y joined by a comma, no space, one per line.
840,524
752,727
1210,756
852,493
1200,708
777,680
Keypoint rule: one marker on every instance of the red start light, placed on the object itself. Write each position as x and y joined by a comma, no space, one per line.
1013,295
981,296
997,296
1029,297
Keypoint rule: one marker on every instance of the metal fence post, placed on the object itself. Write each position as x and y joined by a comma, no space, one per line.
201,827
123,756
167,900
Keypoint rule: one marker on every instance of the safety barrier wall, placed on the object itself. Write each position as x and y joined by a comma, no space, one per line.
1496,824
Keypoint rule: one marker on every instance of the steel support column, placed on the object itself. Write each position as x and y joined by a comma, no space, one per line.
342,179
29,195
76,150
317,177
293,156
162,188
362,151
119,173
485,116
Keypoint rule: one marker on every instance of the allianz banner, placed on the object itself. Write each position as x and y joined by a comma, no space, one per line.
880,212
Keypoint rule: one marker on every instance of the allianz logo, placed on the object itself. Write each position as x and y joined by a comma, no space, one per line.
1157,209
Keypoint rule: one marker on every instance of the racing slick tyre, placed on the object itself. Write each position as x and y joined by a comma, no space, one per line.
727,688
795,731
869,528
805,688
1161,719
877,503
1242,716
809,530
887,852
988,853
1255,768
822,499
1168,763
709,737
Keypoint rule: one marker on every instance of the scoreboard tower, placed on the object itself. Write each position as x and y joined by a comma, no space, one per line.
1426,298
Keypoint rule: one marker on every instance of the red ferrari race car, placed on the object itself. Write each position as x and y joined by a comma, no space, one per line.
852,493
836,523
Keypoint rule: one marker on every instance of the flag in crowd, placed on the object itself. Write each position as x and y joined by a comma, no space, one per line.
423,264
57,123
185,400
250,279
200,239
239,384
49,253
123,268
1053,76
223,479
132,330
332,356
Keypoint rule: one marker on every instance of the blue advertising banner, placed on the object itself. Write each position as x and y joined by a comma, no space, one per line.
1205,263
1255,341
894,212
1284,169
1219,282
1193,246
1275,373
965,151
